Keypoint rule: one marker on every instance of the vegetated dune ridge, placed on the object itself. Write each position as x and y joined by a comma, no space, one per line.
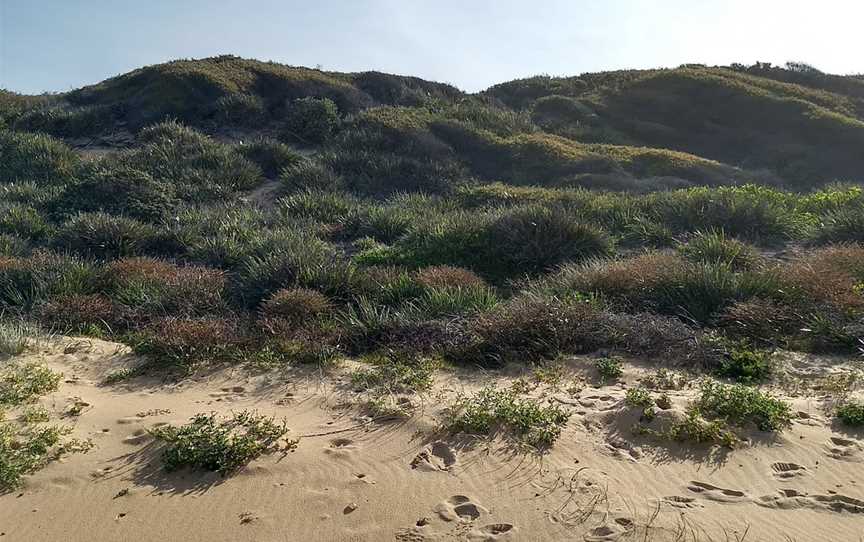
404,480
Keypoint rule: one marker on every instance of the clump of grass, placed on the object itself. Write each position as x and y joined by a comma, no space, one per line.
189,342
26,450
311,120
22,383
16,336
290,308
715,247
392,376
271,156
221,445
491,410
851,413
609,369
739,404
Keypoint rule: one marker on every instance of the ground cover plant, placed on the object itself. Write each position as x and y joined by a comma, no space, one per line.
222,445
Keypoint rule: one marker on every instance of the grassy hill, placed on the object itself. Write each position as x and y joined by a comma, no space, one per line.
224,209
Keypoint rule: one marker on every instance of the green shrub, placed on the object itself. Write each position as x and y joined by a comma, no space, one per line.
270,155
713,247
150,287
199,168
453,301
118,189
241,110
745,364
221,445
35,157
310,175
694,428
841,226
67,122
25,450
311,120
27,281
740,405
103,236
491,410
23,221
609,369
851,413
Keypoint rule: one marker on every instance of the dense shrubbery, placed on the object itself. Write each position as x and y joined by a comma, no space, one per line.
380,235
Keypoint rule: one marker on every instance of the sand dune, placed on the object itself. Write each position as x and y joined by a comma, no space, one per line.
350,479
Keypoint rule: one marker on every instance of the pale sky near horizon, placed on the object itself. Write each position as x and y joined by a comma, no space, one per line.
57,45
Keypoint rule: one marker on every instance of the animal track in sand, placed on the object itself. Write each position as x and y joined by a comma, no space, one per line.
491,533
715,493
139,436
788,470
843,449
341,447
458,508
791,499
439,456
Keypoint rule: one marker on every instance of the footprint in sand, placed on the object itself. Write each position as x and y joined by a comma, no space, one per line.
458,508
129,420
613,530
791,499
843,449
439,456
139,436
340,447
229,394
492,533
715,493
788,470
679,501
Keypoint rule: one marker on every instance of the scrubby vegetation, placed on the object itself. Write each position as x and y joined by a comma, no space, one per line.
222,445
248,211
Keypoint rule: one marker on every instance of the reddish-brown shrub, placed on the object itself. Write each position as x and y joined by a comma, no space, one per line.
79,312
445,276
762,320
157,287
293,307
191,341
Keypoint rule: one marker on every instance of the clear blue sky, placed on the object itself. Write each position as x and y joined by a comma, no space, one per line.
56,45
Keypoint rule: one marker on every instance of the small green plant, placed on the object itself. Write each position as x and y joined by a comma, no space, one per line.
26,450
491,410
694,428
394,373
851,413
640,398
746,365
22,383
311,120
222,445
609,369
739,404
714,247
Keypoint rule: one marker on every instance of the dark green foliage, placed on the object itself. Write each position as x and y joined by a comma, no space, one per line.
270,155
714,247
609,369
311,120
241,110
745,364
104,236
23,221
67,122
740,405
35,157
25,281
851,413
221,445
118,189
490,411
198,167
